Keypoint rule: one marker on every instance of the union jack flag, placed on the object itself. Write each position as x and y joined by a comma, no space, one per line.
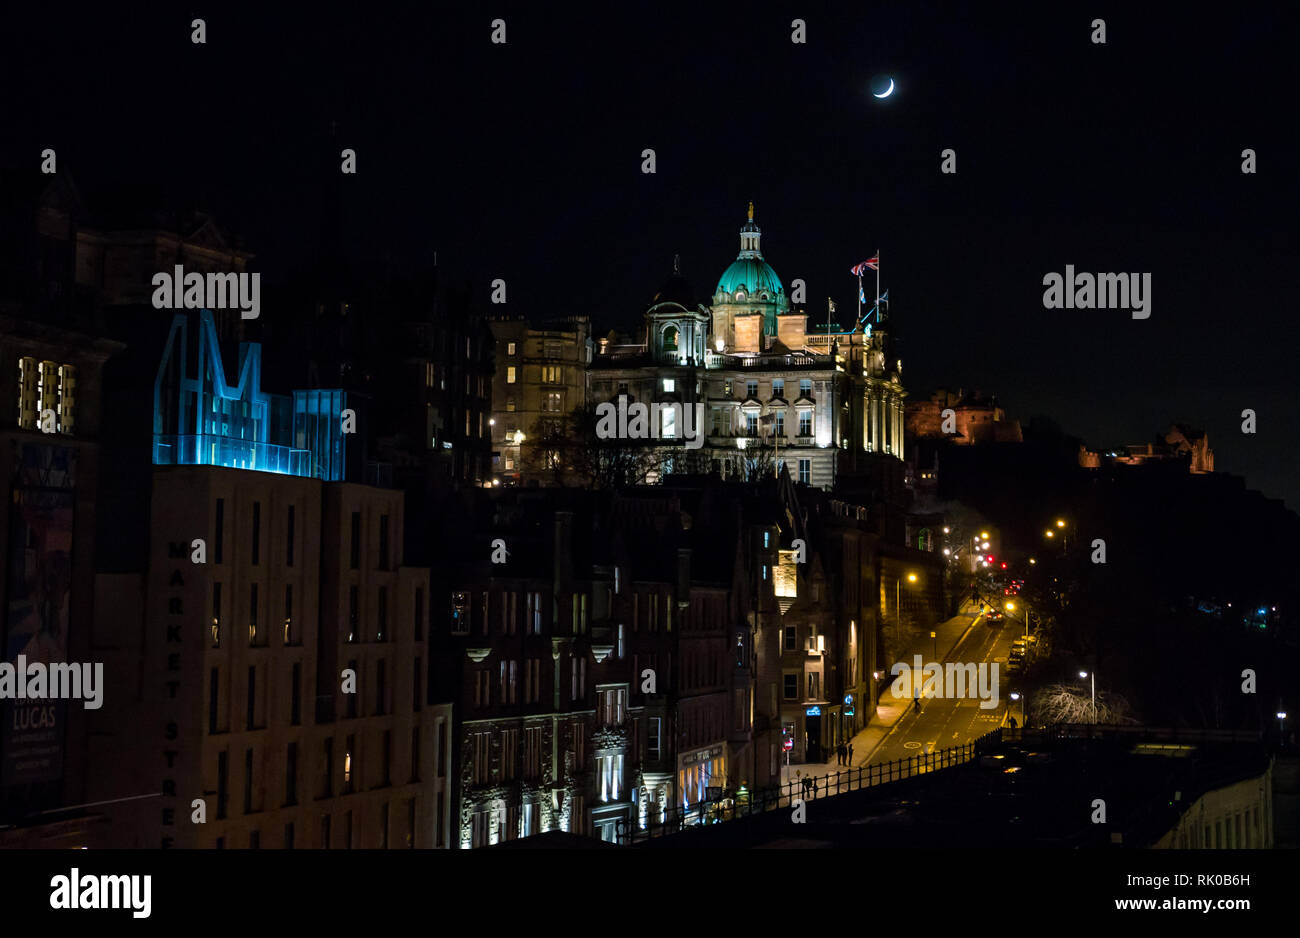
873,264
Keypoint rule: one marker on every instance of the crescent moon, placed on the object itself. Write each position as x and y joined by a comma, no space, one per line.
888,91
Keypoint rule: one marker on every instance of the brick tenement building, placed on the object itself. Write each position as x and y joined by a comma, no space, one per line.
597,676
752,640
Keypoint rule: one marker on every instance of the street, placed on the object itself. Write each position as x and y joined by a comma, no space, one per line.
950,722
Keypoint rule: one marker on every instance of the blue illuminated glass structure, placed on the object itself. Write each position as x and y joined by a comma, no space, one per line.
201,420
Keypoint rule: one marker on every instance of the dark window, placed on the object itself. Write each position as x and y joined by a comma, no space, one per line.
216,615
416,684
381,687
291,775
388,757
254,840
791,686
356,540
383,613
442,750
257,531
419,614
353,614
214,692
383,542
253,636
328,789
222,776
415,754
288,541
252,697
288,614
352,697
383,826
221,843
295,702
221,529
347,829
410,823
248,781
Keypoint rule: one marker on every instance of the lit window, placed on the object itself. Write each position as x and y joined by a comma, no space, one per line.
667,423
510,405
510,348
510,374
670,385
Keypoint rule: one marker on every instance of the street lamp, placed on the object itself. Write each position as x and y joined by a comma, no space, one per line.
1281,715
1019,697
1094,693
898,609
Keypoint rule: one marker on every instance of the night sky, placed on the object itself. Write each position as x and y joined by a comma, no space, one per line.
523,161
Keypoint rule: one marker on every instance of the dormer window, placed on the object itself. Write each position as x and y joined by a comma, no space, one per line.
740,295
763,297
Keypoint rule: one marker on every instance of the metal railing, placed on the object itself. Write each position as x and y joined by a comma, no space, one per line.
811,788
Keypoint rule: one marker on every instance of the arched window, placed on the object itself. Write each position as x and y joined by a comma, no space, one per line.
670,339
740,294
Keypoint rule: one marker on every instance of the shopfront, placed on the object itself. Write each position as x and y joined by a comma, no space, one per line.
700,770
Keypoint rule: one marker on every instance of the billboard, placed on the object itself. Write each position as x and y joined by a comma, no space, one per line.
39,580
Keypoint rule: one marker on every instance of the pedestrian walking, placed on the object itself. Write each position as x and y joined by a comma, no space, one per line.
850,753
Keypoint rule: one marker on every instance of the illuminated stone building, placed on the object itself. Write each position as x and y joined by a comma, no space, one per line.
1180,443
270,582
540,376
826,404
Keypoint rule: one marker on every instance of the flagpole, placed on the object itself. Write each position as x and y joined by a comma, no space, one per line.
877,278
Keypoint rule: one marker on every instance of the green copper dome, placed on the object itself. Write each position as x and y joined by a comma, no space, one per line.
753,275
750,272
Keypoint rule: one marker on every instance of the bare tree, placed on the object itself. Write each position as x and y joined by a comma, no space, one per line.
1062,703
607,463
